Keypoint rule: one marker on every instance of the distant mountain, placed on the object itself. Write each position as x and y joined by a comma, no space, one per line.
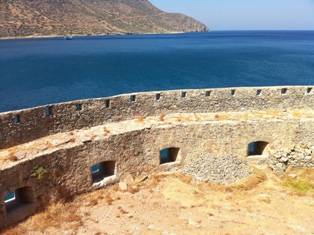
21,18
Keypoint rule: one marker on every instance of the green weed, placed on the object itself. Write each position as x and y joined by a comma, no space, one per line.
39,172
301,186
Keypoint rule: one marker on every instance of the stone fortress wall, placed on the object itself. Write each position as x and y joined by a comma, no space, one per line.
208,122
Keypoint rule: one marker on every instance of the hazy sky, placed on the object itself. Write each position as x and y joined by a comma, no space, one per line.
245,14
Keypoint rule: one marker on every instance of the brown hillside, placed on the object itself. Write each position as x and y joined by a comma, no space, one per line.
20,18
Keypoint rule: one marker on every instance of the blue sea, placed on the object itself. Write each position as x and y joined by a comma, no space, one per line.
9,196
43,71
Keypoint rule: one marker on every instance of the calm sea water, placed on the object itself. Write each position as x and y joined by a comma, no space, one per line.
9,196
42,71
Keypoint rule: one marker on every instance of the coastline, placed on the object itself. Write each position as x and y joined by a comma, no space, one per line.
84,35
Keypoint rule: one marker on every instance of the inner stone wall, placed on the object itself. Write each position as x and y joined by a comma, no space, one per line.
137,153
22,126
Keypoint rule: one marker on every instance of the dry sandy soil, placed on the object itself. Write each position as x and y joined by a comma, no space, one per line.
172,204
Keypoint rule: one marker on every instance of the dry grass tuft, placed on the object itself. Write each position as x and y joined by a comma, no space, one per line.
56,215
108,199
274,113
258,176
154,180
197,117
13,150
141,120
49,144
11,158
246,116
133,190
115,188
221,117
178,119
297,113
183,119
92,198
184,178
93,202
303,183
106,131
162,117
122,211
264,199
15,231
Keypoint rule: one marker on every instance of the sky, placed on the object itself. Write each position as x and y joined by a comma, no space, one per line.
245,14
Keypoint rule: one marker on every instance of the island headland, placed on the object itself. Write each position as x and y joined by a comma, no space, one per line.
41,18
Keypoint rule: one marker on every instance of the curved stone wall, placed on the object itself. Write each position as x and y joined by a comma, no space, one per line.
22,126
126,138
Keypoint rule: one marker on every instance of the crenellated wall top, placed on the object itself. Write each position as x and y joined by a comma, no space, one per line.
24,125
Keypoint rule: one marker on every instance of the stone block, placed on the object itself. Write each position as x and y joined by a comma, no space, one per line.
284,159
308,158
279,165
123,186
293,176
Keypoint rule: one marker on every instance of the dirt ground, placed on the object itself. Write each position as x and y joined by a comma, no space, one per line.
165,204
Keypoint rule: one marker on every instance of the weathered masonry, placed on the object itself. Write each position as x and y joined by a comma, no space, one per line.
60,150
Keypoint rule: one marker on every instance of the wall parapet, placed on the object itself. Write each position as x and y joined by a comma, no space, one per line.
25,125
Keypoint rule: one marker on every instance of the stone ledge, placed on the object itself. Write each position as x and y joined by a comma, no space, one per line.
49,144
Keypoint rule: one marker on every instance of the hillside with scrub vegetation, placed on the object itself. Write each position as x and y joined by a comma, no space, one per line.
21,18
